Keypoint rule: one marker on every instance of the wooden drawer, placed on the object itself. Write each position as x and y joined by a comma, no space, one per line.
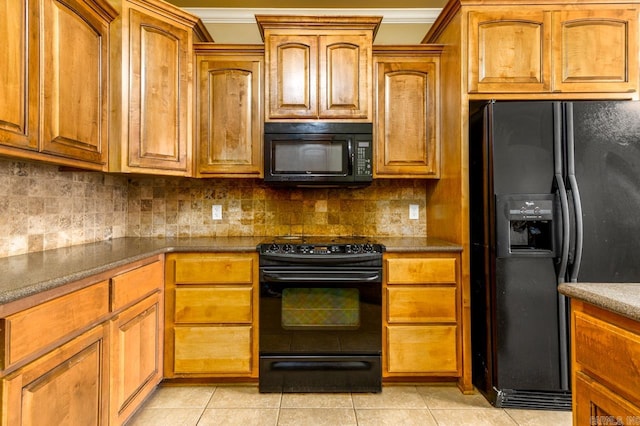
36,328
421,349
213,349
609,352
213,305
215,269
421,270
134,285
421,304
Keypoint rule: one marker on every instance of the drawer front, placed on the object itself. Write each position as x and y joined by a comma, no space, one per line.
213,305
213,350
36,328
421,304
214,270
421,349
421,271
608,351
593,400
134,285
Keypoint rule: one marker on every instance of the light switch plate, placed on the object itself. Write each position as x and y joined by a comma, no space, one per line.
216,212
414,211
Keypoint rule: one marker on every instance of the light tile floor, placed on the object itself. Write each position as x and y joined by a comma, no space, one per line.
428,405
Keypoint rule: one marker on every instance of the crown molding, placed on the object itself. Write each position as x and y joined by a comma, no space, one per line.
233,15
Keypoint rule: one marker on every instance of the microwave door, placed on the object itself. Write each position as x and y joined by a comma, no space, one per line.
310,157
323,158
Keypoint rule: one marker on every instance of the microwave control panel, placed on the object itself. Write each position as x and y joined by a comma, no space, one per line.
363,158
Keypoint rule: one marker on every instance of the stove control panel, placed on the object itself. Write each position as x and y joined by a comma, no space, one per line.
322,249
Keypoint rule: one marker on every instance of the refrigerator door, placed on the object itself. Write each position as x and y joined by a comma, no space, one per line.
606,151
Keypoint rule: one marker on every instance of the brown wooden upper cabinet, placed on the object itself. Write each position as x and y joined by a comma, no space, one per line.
589,49
151,67
54,63
318,67
406,129
229,110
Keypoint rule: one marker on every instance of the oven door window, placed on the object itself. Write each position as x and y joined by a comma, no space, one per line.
320,309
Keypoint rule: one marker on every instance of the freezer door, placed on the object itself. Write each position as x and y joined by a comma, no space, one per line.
522,147
606,148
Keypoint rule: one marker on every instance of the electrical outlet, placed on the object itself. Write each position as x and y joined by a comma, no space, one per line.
216,212
414,211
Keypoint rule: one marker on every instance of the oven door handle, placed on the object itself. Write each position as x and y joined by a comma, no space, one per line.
319,275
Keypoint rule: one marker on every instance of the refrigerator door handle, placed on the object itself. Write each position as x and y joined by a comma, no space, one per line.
575,192
562,191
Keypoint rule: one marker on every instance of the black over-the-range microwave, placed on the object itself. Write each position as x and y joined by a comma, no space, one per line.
318,154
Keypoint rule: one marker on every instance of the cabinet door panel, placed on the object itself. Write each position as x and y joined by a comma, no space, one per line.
159,94
508,51
135,356
292,89
344,76
406,132
594,401
593,50
230,117
66,386
19,71
75,103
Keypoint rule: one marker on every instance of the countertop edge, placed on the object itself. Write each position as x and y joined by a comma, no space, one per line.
122,251
620,298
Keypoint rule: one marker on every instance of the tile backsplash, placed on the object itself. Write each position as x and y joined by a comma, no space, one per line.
182,207
44,208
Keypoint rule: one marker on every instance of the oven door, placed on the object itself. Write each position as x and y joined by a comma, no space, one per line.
320,329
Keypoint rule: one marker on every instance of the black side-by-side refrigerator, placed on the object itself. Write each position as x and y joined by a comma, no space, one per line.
554,197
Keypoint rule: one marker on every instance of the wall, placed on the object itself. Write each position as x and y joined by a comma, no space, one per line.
43,208
248,33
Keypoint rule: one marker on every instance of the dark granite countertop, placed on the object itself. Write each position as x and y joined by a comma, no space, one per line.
417,244
621,298
28,274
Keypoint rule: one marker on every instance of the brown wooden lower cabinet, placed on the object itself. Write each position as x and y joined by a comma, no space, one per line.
421,310
605,366
89,356
211,315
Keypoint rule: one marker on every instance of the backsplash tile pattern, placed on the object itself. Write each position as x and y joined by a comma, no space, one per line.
182,207
43,208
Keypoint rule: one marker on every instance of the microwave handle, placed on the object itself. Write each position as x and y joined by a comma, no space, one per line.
351,156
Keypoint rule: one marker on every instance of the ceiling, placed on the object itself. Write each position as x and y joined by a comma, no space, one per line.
295,4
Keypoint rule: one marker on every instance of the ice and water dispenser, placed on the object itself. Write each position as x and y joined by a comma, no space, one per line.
525,225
